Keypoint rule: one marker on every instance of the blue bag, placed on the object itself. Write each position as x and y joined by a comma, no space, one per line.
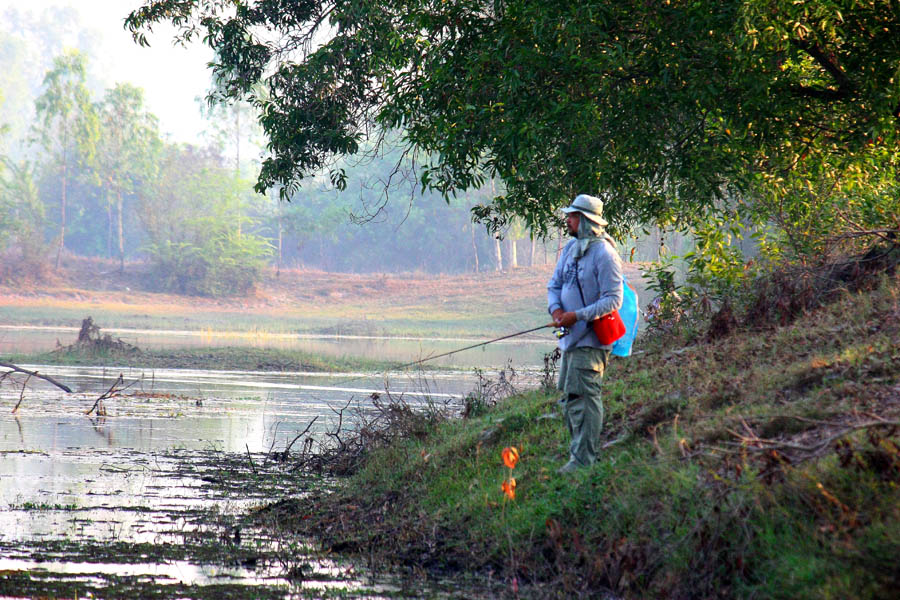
629,314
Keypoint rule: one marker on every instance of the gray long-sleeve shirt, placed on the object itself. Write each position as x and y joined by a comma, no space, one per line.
599,272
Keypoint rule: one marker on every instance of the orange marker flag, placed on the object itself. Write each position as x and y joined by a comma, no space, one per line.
510,457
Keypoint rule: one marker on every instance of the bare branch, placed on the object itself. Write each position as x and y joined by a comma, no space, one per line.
22,395
300,435
845,85
119,381
65,388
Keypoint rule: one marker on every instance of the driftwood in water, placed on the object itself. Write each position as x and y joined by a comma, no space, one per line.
112,390
90,341
13,367
98,404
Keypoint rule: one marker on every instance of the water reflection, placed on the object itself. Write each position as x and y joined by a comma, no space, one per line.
235,408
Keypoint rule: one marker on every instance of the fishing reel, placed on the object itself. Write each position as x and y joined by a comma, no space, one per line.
561,332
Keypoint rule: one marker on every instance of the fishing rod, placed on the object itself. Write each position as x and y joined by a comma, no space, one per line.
423,360
505,337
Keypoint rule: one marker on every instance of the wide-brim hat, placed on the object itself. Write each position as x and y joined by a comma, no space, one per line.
590,206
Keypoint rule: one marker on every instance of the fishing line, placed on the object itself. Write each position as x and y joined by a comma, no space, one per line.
511,335
426,359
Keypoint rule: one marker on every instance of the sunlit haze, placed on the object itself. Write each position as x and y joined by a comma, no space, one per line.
172,76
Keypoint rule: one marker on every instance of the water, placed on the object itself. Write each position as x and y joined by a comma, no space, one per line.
527,350
151,497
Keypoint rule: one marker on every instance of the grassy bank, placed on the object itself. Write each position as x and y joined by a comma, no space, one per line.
760,465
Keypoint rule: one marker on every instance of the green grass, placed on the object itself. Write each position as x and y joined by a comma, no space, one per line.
241,359
685,503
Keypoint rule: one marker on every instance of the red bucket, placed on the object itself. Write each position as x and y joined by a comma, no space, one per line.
609,328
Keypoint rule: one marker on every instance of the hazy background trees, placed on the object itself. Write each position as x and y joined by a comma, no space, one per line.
66,127
86,172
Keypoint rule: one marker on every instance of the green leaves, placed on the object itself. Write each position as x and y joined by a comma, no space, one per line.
67,123
222,264
674,109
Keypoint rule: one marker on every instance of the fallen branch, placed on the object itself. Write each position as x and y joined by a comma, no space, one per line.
119,380
284,454
756,444
250,458
35,374
622,437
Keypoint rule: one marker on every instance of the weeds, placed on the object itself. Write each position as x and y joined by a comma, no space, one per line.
549,370
775,296
359,430
488,392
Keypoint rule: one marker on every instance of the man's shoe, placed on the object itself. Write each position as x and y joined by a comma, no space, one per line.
569,467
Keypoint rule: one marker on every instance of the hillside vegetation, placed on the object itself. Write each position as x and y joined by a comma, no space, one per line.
763,464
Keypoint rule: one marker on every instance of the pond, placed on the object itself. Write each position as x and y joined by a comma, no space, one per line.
151,498
524,351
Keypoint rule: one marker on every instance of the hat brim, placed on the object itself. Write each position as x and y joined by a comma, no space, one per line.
589,216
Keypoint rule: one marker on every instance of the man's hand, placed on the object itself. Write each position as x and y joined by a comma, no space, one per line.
557,314
564,319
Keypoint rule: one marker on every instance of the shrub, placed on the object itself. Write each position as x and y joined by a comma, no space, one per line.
222,265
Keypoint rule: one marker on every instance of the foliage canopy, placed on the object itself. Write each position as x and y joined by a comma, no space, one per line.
674,105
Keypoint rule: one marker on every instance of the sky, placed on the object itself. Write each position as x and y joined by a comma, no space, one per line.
172,76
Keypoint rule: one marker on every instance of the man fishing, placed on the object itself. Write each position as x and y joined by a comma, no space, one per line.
586,285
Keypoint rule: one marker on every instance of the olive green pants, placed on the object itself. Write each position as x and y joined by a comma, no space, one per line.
580,375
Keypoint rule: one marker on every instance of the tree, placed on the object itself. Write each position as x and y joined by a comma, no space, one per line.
67,124
191,217
15,102
677,106
125,158
232,126
21,228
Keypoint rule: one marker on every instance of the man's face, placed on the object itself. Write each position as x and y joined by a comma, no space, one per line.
572,221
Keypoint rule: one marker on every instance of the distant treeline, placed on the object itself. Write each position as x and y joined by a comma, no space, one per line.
86,171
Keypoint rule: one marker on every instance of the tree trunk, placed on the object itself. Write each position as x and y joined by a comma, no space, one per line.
237,141
533,251
474,246
513,255
280,239
237,158
62,213
498,254
121,232
109,229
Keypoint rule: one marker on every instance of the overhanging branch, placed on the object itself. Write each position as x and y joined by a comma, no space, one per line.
826,61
